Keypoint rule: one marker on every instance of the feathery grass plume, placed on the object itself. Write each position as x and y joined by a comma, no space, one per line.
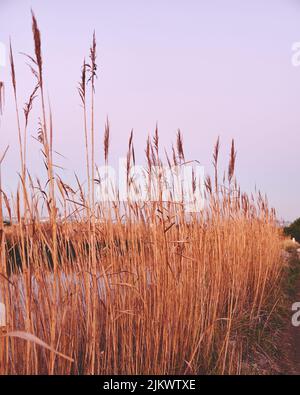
215,163
156,140
38,62
82,83
28,105
129,156
180,146
147,152
106,141
12,68
93,64
43,134
231,162
39,75
194,181
37,47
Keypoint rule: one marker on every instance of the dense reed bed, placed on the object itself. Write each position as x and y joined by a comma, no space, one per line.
133,287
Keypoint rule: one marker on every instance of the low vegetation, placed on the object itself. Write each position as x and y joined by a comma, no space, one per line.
293,230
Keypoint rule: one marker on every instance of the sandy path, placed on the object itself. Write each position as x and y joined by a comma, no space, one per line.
294,334
291,340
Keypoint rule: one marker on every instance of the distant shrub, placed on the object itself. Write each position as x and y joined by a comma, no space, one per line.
293,230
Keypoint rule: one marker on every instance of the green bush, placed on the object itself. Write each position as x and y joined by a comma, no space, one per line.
293,230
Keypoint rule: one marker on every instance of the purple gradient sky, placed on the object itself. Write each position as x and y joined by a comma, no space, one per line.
210,68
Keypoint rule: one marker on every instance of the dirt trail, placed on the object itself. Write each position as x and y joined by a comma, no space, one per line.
294,344
291,341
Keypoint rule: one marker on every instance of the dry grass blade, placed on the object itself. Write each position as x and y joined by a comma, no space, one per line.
180,145
32,338
12,67
106,141
37,47
3,155
28,105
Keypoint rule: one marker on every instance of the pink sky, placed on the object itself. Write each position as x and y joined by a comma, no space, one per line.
209,67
